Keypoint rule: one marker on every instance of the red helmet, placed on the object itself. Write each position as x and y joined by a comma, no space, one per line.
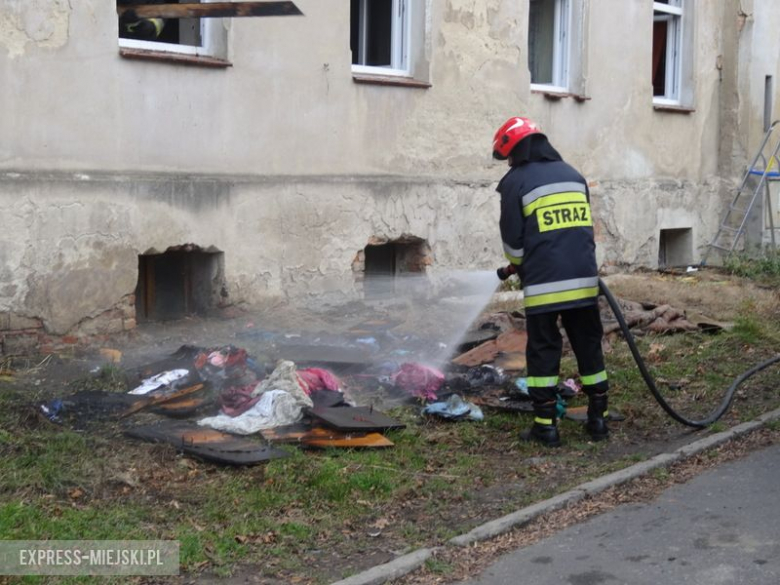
512,132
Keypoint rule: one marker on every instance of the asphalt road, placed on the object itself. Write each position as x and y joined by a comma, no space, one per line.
722,527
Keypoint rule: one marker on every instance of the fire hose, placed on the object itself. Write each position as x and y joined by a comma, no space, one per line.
505,272
728,397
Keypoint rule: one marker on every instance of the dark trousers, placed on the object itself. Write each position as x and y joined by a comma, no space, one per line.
543,351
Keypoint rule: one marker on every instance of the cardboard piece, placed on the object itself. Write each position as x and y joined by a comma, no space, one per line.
358,418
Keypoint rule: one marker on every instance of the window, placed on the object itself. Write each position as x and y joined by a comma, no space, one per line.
668,51
549,32
189,36
379,36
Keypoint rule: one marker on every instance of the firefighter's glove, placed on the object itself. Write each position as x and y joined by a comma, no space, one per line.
505,272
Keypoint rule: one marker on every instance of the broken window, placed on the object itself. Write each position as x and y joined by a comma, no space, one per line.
667,50
189,36
549,24
379,36
184,280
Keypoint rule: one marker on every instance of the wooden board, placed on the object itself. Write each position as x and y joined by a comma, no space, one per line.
210,10
325,438
156,400
474,338
509,342
303,434
286,433
206,443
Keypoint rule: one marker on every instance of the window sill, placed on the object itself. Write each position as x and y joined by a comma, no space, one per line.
673,109
179,58
559,95
389,80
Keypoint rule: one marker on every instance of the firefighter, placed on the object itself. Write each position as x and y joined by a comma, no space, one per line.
547,232
142,29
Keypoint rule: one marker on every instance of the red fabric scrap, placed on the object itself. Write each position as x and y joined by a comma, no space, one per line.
419,380
313,379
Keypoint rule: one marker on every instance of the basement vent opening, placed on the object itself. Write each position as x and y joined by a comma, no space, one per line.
675,247
383,265
184,280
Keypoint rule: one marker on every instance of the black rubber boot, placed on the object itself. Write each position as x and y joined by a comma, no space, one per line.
597,411
543,430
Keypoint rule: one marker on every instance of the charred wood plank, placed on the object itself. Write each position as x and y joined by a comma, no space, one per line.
210,10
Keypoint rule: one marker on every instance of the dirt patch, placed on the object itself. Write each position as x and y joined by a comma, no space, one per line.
705,292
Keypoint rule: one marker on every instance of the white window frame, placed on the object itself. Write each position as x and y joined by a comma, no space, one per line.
674,14
399,44
213,41
562,33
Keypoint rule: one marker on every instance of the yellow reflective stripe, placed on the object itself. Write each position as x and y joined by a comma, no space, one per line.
517,261
158,23
561,297
543,421
542,381
568,197
594,378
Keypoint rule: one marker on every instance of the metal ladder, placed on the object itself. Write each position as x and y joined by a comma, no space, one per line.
733,225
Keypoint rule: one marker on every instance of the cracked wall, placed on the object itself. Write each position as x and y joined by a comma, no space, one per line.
105,158
33,23
72,251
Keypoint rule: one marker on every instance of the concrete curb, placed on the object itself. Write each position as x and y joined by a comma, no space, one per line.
409,562
398,567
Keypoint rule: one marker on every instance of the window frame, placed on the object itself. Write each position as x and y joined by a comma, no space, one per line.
400,44
213,35
561,57
674,13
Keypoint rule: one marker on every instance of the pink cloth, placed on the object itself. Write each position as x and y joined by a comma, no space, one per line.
419,380
313,379
238,399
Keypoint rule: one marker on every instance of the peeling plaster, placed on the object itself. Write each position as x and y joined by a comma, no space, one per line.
44,23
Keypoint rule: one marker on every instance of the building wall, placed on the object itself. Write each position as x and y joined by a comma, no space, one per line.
287,165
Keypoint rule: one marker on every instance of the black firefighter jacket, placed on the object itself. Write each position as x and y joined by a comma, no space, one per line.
547,231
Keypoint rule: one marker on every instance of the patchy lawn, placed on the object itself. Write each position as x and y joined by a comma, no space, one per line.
321,515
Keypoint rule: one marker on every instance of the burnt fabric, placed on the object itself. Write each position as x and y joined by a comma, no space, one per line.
237,400
419,380
543,352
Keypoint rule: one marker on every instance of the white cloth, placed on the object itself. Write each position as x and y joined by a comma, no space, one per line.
284,377
159,381
275,408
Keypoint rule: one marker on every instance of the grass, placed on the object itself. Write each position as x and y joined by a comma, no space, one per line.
764,269
308,516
